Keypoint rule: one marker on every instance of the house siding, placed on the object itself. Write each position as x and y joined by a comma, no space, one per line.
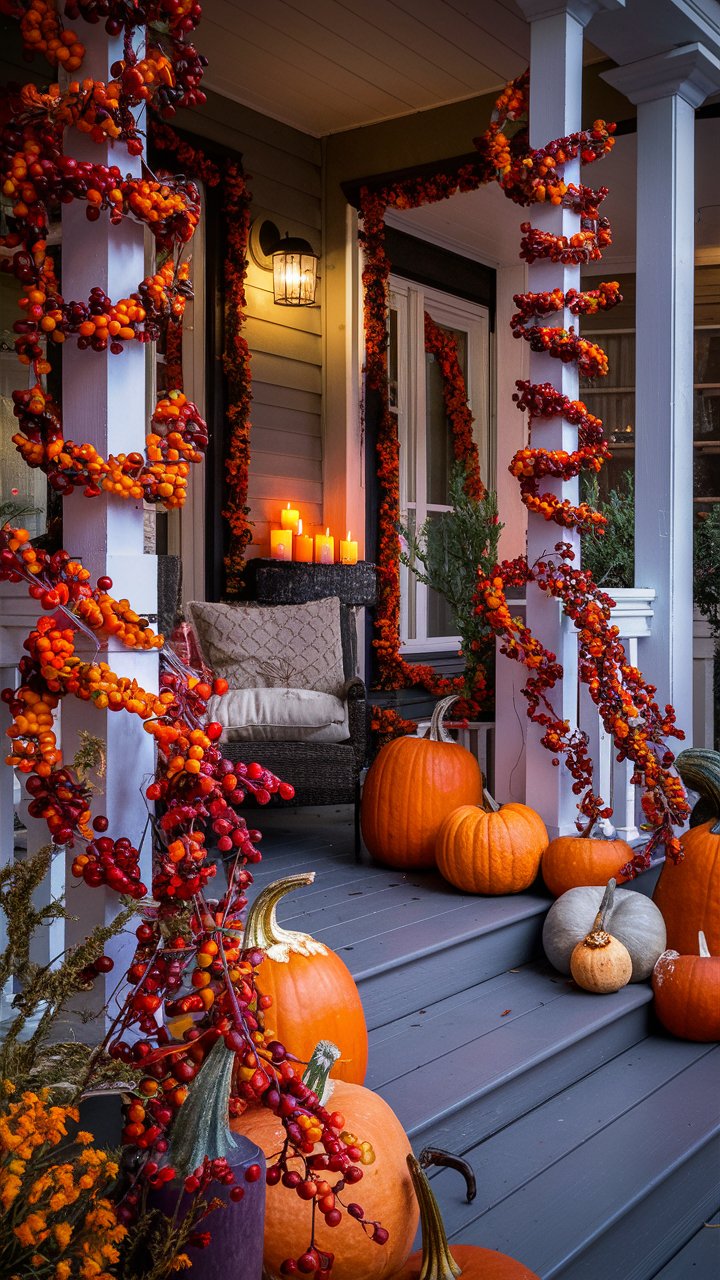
283,171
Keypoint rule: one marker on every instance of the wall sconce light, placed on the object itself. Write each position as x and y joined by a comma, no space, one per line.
293,262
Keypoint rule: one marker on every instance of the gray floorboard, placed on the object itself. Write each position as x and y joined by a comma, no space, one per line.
699,1259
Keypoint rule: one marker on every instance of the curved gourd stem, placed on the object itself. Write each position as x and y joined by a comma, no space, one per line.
437,1260
446,1160
317,1072
700,771
703,948
598,936
437,732
262,929
205,1128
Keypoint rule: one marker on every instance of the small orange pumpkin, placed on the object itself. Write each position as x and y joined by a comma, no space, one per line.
687,993
437,1260
411,786
571,861
314,996
599,962
688,892
385,1192
496,849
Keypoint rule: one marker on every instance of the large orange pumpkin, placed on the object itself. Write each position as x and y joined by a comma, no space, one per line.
571,861
687,993
411,786
437,1260
491,850
688,892
314,996
385,1191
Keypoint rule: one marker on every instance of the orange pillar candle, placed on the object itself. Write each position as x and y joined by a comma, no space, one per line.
281,544
348,550
324,548
290,518
303,545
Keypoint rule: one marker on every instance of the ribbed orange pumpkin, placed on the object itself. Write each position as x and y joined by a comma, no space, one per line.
385,1192
411,786
437,1260
687,993
314,996
570,861
496,849
688,892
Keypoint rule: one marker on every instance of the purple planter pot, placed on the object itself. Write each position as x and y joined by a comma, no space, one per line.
236,1231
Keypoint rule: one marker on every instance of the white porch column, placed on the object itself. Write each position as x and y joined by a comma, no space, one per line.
104,402
556,61
667,89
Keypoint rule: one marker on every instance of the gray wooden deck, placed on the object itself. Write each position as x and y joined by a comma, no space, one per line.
595,1138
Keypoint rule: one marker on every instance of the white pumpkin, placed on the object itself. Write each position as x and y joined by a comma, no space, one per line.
631,918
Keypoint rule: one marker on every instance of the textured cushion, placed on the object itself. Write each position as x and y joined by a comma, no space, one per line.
284,645
288,715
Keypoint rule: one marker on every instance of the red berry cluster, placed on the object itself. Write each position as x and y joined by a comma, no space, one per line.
114,863
586,245
565,345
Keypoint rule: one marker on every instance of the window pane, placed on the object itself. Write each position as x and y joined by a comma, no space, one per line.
707,355
617,411
438,438
440,620
706,414
409,590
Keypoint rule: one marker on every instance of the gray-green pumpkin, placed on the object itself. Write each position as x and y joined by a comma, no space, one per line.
631,918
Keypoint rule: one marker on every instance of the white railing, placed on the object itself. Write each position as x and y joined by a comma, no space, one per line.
633,616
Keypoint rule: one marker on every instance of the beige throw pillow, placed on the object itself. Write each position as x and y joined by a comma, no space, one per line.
271,646
287,715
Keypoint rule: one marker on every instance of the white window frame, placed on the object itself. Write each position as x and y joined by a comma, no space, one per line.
411,301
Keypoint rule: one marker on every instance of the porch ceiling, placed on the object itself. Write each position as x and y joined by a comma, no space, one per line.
324,66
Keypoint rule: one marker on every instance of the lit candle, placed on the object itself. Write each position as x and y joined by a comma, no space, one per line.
290,518
281,544
324,548
303,545
348,550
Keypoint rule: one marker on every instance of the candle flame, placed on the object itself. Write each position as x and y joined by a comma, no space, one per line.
348,537
287,507
299,527
327,532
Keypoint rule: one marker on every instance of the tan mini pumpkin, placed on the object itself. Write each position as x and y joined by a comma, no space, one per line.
495,849
600,963
687,993
570,861
411,786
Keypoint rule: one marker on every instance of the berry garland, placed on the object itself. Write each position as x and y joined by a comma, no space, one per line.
236,202
625,701
189,958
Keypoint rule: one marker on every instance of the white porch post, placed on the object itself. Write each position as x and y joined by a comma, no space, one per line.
104,402
556,61
667,89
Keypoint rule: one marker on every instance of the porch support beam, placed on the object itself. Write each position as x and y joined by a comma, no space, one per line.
556,63
667,89
104,402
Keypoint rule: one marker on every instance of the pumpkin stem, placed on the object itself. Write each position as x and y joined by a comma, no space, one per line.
703,948
263,931
585,834
437,1260
489,802
324,1056
446,1159
700,771
437,732
598,937
205,1129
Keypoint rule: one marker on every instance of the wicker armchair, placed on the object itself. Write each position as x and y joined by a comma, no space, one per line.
322,772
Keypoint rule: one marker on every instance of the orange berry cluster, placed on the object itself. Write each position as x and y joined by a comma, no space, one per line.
42,32
565,345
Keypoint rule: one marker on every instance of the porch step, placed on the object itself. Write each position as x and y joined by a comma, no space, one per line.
699,1259
611,1177
464,1067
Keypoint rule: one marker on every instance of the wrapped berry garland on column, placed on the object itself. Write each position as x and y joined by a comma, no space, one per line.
625,701
189,964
